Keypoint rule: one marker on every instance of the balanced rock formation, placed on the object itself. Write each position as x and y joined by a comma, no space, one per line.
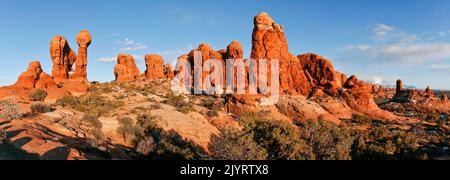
83,39
35,77
155,67
126,69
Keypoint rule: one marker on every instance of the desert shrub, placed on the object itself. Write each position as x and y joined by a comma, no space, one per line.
157,144
92,121
91,126
40,108
67,101
131,133
361,119
10,110
233,144
212,104
102,88
146,146
212,113
93,104
381,101
328,141
171,146
281,139
178,102
125,121
147,121
3,136
38,95
383,144
156,105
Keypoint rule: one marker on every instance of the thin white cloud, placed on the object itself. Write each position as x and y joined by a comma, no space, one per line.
381,30
138,58
399,46
379,79
140,47
444,33
131,45
440,67
170,56
126,49
114,34
128,42
107,59
410,53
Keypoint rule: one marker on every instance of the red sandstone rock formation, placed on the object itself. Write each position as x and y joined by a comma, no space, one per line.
168,71
428,92
374,88
83,40
381,90
35,77
63,58
359,98
399,88
207,53
444,98
155,67
32,79
322,72
269,42
234,51
126,69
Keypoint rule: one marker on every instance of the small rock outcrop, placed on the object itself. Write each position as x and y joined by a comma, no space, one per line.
126,69
234,51
358,96
322,73
35,77
155,67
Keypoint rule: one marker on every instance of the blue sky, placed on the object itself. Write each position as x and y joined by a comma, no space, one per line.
380,41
